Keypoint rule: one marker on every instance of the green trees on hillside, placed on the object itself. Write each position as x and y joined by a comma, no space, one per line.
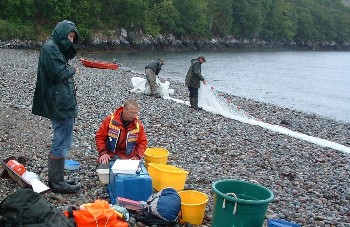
162,17
281,22
220,17
193,20
269,20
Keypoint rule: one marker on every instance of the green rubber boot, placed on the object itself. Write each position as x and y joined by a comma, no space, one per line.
57,182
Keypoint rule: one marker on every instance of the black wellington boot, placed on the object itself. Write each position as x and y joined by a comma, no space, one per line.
71,182
195,104
57,183
191,103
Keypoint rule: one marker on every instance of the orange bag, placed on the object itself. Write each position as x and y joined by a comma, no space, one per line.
16,166
97,214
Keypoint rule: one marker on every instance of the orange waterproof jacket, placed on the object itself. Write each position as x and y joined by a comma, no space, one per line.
113,139
96,214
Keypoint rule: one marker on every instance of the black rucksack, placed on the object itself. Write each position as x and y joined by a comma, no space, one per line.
163,208
29,209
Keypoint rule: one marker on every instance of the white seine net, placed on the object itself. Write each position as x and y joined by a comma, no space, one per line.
212,101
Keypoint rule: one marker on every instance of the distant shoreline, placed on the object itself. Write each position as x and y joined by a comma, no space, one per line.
167,44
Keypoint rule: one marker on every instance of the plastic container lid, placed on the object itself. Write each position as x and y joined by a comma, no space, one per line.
71,165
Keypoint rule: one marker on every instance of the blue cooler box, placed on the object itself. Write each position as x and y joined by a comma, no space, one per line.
136,187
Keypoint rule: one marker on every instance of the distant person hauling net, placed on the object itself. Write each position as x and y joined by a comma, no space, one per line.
152,70
193,79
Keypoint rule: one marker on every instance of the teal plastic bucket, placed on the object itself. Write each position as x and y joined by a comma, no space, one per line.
239,203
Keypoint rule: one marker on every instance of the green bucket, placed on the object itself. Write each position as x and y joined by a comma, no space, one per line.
239,203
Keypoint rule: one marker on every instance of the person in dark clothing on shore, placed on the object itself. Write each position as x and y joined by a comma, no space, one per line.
55,99
152,70
193,79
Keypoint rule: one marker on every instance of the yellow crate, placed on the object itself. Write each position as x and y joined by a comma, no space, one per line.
192,206
156,155
167,176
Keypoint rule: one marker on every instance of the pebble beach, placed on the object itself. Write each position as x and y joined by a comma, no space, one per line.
310,183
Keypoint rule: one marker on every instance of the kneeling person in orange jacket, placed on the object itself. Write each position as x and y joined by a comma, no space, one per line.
121,135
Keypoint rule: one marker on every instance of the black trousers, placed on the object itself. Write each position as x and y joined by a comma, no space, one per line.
193,92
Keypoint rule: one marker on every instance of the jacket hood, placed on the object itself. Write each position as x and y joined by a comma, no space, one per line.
118,111
60,34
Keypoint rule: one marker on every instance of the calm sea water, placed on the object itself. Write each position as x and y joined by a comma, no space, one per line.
309,81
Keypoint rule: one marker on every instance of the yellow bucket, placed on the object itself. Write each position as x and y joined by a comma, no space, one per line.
156,155
164,176
192,206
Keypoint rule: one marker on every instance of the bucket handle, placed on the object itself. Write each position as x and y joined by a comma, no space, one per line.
254,181
224,203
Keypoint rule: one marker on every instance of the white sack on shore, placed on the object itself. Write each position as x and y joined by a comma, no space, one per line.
140,86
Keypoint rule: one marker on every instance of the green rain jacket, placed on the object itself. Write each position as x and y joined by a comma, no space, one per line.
156,65
194,75
54,95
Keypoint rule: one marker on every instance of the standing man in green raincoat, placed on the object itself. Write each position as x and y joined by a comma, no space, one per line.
55,99
193,78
